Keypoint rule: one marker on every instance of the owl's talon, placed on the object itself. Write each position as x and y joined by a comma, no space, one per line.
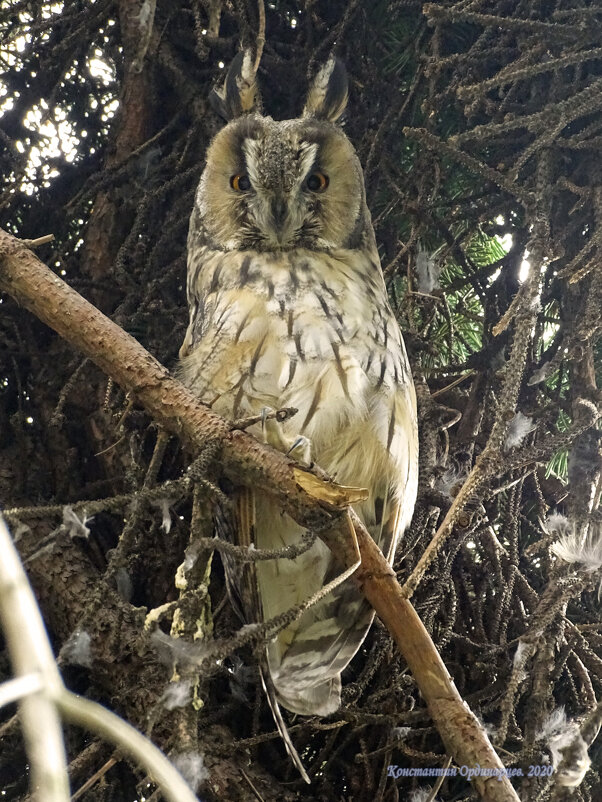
272,430
298,448
301,450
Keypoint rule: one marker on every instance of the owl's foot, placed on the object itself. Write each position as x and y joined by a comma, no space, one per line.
301,450
298,448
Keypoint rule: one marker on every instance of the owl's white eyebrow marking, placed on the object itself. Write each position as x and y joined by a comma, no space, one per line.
250,149
308,157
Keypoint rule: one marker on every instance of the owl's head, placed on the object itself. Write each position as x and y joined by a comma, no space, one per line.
271,185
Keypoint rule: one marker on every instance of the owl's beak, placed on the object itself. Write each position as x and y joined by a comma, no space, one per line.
279,209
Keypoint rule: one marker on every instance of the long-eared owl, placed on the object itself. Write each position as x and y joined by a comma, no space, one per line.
288,308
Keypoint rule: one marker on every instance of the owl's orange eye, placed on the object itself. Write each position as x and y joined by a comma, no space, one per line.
317,182
240,182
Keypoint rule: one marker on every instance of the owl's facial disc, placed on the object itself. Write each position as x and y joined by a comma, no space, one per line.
281,185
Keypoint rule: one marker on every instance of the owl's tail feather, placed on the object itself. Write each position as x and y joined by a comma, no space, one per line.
318,699
270,692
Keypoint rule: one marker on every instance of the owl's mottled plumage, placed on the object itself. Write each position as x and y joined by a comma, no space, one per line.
288,308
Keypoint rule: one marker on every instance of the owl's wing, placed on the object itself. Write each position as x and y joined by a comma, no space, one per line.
307,658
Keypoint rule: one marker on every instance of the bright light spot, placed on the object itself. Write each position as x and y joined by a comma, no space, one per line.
29,420
525,267
54,139
293,23
221,65
101,69
55,8
110,110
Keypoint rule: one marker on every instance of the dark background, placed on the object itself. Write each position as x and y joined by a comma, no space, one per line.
479,126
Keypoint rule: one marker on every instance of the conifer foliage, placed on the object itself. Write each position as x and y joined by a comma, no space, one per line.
479,126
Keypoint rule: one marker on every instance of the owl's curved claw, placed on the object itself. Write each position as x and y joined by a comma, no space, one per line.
299,447
265,422
301,450
272,430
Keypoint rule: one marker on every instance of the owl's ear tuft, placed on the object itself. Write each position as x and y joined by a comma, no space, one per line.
327,96
239,93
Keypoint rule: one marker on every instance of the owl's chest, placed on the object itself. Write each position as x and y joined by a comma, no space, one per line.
307,303
295,329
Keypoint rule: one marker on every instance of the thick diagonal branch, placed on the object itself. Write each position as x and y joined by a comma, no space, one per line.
308,496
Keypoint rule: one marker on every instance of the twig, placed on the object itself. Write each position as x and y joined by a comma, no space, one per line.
14,689
279,415
35,243
510,23
94,778
508,76
478,167
255,791
439,782
453,384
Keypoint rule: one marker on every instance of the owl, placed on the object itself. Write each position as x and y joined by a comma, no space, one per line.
288,308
